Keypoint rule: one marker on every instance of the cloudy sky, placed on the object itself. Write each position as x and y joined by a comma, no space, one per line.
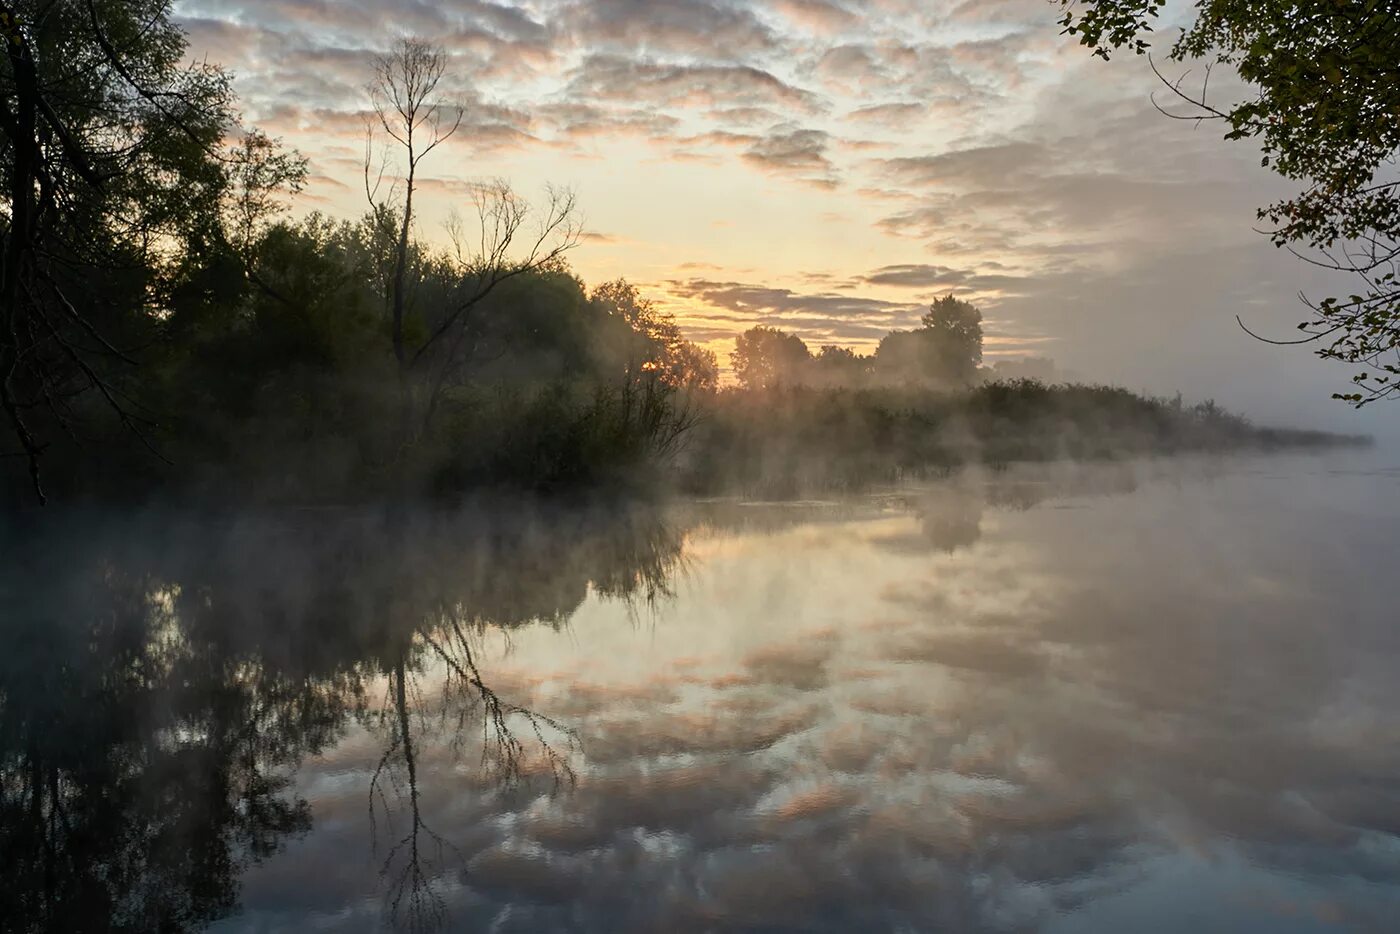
829,167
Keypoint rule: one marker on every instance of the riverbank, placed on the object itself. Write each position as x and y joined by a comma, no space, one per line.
565,440
789,440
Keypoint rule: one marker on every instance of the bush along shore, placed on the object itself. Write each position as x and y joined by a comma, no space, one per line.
786,441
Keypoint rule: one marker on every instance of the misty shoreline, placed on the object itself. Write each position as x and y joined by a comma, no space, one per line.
756,446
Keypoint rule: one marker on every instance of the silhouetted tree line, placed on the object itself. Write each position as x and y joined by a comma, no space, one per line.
793,440
165,326
945,351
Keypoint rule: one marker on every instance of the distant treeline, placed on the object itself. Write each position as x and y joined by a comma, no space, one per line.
944,352
794,440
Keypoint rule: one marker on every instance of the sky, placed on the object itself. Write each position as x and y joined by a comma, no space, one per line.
830,167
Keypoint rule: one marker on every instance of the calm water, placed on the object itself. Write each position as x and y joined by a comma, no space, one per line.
1150,697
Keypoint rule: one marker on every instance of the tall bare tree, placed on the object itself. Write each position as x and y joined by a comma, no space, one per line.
417,117
408,108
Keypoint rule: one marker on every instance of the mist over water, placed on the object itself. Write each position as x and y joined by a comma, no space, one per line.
1136,696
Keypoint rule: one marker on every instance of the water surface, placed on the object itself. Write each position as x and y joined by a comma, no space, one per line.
1150,697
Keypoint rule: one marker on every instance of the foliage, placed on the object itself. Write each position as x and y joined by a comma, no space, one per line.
158,306
952,333
796,440
652,342
552,386
1326,114
115,178
765,357
945,351
152,293
839,366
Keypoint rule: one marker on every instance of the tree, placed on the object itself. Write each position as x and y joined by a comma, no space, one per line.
652,342
404,95
447,351
765,357
901,358
952,330
945,351
694,367
839,366
113,172
409,110
1326,114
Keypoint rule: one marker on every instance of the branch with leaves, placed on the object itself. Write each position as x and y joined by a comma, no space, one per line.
116,170
1325,112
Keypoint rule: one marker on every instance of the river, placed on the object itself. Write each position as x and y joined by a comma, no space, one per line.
1148,696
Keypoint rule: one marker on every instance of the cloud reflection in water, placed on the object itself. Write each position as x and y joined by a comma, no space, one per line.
1007,703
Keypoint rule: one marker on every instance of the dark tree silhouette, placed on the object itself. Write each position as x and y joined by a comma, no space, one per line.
652,343
403,94
840,366
946,351
766,357
952,332
113,174
410,111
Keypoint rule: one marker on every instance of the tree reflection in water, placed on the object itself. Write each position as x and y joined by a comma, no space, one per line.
414,860
164,676
993,732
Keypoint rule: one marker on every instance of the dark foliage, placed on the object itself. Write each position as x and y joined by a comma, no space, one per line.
800,439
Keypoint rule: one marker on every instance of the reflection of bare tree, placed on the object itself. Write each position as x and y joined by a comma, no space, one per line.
163,677
534,573
415,860
469,697
410,898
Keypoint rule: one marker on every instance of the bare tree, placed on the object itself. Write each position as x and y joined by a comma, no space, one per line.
504,248
409,109
404,95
